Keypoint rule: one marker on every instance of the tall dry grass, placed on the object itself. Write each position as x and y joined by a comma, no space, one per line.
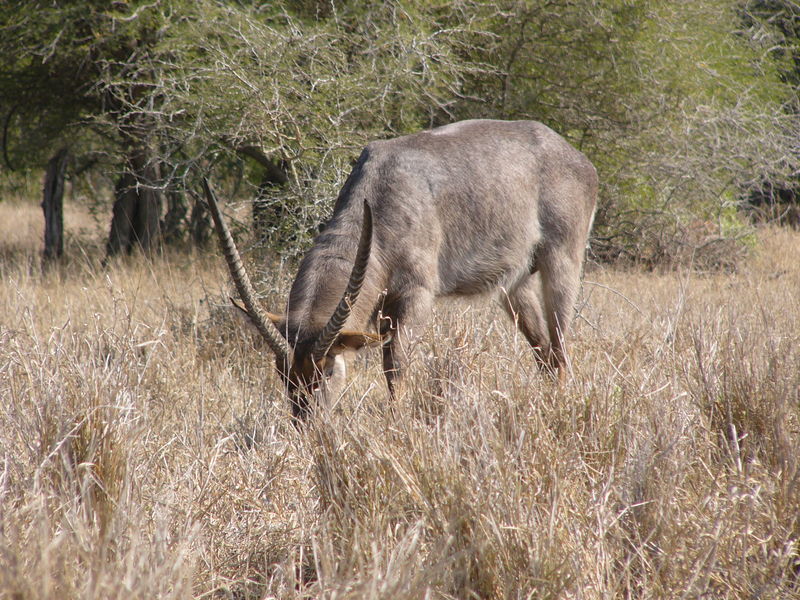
146,449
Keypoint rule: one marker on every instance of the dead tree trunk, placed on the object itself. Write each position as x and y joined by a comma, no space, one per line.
137,207
53,208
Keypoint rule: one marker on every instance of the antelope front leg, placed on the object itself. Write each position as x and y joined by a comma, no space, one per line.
404,319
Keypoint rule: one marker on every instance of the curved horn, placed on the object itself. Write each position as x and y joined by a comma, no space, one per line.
265,327
337,320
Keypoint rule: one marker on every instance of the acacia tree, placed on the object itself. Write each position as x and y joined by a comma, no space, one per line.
296,90
777,24
39,97
681,106
73,75
286,92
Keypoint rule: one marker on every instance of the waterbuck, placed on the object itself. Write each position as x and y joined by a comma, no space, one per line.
458,210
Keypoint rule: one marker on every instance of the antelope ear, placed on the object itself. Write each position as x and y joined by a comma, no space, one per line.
355,340
246,321
276,319
242,311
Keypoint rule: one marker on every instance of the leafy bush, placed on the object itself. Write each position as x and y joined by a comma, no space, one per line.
683,107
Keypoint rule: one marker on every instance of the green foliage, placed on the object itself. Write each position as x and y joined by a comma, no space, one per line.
775,24
64,65
309,92
683,107
679,105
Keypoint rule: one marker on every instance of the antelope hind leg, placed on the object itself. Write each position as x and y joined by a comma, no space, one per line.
523,305
561,275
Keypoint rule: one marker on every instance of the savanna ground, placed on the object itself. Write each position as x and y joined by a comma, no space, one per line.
146,450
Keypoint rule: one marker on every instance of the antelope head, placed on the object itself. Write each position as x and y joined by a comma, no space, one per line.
311,368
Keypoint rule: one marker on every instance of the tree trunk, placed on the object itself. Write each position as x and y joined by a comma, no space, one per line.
172,229
137,207
200,224
126,200
274,175
53,208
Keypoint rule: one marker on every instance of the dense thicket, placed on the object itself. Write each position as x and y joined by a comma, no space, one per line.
685,108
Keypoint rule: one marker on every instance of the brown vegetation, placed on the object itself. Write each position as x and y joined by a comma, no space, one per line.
146,449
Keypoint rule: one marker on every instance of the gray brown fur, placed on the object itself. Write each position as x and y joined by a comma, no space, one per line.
459,210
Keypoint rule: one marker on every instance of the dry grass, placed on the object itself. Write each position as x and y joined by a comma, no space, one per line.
146,450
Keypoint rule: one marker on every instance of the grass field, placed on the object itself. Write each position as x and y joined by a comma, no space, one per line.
146,449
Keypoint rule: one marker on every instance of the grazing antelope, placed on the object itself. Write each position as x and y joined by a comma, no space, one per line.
458,210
